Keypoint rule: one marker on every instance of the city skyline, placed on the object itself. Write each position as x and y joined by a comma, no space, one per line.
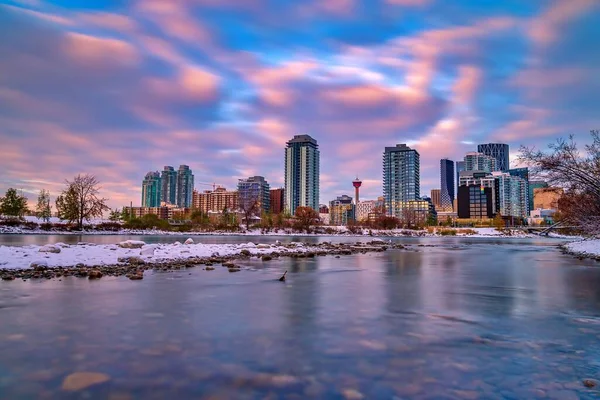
117,90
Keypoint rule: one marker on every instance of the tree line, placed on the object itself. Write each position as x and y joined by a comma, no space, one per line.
79,201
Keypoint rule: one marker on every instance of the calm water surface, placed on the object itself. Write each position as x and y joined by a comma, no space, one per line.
468,318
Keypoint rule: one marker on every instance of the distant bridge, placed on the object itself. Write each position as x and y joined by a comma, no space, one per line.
545,230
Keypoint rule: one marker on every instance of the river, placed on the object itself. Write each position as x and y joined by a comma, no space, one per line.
466,318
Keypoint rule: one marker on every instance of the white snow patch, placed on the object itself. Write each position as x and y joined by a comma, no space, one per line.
20,257
589,247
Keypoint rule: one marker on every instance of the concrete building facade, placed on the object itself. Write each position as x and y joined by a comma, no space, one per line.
401,178
302,172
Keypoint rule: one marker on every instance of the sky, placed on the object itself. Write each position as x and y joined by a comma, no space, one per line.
119,88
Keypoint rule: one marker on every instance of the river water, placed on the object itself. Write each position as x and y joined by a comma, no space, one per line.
464,319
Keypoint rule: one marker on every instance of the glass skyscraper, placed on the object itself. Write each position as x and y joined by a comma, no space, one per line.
460,166
169,185
523,173
185,186
151,190
447,184
252,189
480,162
401,178
302,164
499,151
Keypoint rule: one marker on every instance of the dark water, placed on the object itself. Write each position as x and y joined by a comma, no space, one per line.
468,319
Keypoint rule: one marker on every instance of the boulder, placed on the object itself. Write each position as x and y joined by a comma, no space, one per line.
148,250
263,246
136,277
94,274
189,241
40,265
132,244
266,257
209,268
245,252
178,243
49,248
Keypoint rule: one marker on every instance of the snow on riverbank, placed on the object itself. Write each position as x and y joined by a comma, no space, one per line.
88,254
333,231
585,248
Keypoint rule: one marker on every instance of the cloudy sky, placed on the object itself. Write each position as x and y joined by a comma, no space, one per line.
118,88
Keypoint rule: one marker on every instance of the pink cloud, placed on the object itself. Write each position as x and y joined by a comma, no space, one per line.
409,3
94,51
546,28
465,87
198,84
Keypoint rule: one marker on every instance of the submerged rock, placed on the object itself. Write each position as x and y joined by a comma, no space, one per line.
94,274
82,380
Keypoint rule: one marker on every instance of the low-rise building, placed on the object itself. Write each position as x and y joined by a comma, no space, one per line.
547,198
341,211
277,200
164,212
475,202
364,208
216,200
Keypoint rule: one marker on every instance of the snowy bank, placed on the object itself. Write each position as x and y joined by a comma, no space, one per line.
585,248
86,254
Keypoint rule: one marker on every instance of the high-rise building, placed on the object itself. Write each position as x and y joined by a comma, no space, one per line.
277,200
447,185
151,190
169,185
401,178
254,189
480,162
523,173
511,195
499,151
341,211
460,166
436,198
302,159
185,186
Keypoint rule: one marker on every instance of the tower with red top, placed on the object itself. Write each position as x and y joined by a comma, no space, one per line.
357,183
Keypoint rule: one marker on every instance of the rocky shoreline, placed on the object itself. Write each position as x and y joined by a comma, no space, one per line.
133,267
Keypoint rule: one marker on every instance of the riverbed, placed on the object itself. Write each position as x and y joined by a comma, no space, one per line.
448,318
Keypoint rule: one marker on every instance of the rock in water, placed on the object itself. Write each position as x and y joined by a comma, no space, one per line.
132,244
49,249
589,383
282,279
189,241
82,380
94,274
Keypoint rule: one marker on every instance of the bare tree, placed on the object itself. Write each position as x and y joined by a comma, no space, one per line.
564,166
80,201
249,202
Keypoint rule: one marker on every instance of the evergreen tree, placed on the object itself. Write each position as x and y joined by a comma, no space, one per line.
13,204
43,208
115,215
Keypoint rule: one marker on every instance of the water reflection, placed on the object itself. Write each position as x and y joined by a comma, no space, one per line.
468,318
